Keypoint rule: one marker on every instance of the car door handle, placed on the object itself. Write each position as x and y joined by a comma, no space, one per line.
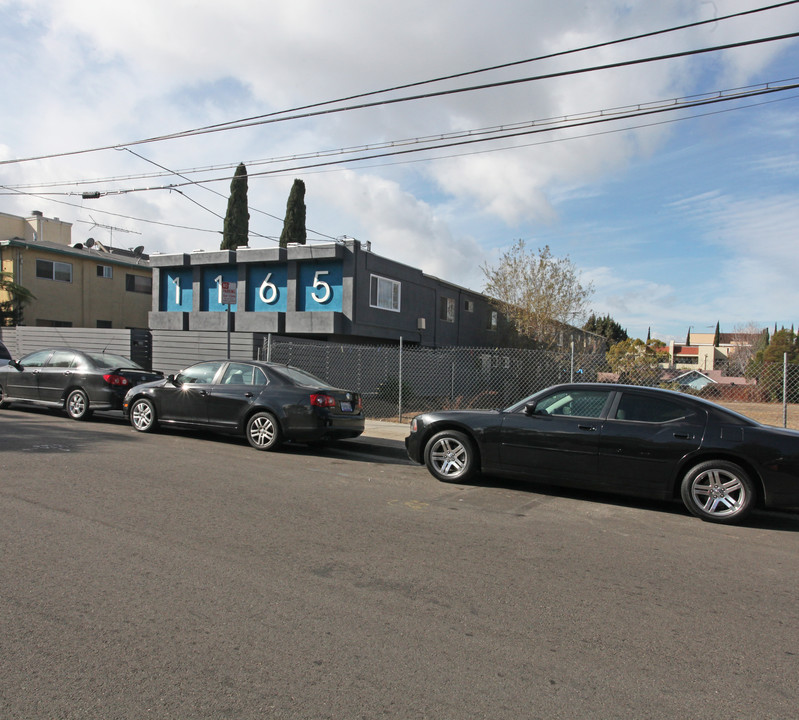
248,394
682,436
587,427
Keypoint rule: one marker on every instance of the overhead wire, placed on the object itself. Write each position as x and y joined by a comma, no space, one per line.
529,128
610,113
282,117
292,170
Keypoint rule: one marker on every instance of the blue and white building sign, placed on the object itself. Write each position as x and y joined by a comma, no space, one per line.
267,288
177,294
211,288
319,286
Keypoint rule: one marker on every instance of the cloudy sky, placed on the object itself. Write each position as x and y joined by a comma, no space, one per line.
681,217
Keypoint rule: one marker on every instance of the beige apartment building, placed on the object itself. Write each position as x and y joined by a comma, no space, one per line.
81,284
704,355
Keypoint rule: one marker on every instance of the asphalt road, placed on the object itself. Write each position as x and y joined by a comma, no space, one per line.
184,576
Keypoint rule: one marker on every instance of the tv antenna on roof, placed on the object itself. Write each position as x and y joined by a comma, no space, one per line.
110,228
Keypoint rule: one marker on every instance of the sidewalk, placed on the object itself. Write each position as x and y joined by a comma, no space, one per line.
384,438
386,430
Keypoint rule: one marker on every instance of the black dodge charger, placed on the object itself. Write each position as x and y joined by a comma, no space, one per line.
265,402
622,439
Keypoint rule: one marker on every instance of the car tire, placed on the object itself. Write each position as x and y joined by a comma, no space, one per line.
450,456
263,431
718,491
142,416
77,405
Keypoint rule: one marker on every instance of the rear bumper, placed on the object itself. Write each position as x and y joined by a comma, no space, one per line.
324,426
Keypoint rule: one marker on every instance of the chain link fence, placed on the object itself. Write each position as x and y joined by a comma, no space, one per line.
398,382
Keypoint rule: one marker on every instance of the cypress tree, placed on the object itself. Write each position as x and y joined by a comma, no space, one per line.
717,336
236,228
294,223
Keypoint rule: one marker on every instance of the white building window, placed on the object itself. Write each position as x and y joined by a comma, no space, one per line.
492,320
49,270
447,309
105,271
384,293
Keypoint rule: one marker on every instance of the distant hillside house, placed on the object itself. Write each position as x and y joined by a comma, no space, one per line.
702,355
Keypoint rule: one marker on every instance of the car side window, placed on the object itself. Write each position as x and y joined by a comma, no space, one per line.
36,359
639,408
243,374
580,403
62,359
202,374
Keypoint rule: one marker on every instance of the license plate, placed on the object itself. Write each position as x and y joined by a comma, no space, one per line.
346,407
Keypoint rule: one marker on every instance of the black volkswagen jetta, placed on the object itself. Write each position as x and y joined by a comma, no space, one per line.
623,439
78,382
265,402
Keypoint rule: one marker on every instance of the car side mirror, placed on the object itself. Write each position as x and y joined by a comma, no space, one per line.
171,378
14,364
529,408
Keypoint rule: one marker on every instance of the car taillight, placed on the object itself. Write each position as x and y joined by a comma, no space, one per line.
118,380
320,400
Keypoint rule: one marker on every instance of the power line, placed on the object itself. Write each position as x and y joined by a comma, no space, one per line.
268,119
674,103
492,68
473,152
506,132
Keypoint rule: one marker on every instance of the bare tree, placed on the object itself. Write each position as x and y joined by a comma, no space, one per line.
747,340
537,292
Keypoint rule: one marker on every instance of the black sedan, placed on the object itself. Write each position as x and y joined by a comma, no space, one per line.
75,381
265,402
623,439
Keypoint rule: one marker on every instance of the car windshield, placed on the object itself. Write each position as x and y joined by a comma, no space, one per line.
517,407
103,360
299,377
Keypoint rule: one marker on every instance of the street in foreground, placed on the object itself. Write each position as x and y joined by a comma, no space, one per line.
184,576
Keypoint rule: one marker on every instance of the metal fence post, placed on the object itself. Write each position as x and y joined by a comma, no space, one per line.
571,373
785,390
399,391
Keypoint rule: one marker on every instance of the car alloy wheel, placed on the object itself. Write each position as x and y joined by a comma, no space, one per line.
718,491
263,431
142,416
77,405
450,456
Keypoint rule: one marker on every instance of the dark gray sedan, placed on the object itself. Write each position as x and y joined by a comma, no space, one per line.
73,380
622,439
265,402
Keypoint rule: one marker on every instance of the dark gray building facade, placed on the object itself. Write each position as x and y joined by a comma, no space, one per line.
336,292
